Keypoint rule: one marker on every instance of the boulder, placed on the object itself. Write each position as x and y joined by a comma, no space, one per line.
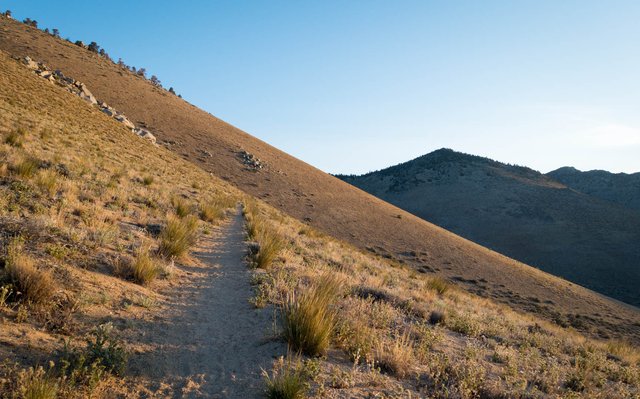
31,64
123,119
86,95
145,134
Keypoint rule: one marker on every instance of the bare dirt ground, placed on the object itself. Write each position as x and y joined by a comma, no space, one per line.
210,342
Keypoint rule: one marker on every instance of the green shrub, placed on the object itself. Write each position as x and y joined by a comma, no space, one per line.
147,180
288,380
103,353
35,285
309,318
178,236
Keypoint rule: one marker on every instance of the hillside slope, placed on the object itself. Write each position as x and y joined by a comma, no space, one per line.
520,213
96,300
323,201
621,188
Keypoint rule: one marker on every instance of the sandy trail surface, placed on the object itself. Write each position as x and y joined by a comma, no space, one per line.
211,342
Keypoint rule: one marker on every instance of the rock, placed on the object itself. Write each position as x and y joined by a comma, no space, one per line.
109,111
145,134
45,74
88,97
31,64
123,119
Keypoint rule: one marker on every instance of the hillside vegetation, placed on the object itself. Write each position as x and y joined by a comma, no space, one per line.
523,214
620,188
322,201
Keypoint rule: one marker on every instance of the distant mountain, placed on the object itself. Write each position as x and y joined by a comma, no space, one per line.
591,238
621,188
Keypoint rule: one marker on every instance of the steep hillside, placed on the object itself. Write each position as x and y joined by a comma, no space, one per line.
321,200
123,275
621,188
520,213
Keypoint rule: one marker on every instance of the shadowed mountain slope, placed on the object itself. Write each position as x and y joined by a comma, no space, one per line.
322,200
521,213
621,188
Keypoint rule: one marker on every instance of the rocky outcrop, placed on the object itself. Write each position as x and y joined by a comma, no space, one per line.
81,90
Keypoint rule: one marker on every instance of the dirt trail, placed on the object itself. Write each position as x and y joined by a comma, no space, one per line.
211,342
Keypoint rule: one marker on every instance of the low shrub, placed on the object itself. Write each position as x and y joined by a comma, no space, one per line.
178,236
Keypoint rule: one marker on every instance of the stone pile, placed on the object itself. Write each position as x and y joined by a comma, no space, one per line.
250,161
80,89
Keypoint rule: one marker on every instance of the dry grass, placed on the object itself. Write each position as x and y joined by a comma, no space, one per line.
26,167
33,285
396,357
309,318
269,240
182,206
143,269
211,211
178,236
287,380
47,181
36,383
438,284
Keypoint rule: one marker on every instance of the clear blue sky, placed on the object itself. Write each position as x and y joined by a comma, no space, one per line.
354,86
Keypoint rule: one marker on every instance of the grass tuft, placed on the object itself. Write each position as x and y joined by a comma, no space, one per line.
211,211
287,381
143,268
438,284
178,236
26,167
34,285
396,358
182,206
309,318
36,383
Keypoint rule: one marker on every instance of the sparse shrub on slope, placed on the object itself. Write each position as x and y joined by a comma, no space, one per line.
309,317
178,236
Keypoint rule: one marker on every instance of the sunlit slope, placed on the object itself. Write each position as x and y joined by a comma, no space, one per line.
324,201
